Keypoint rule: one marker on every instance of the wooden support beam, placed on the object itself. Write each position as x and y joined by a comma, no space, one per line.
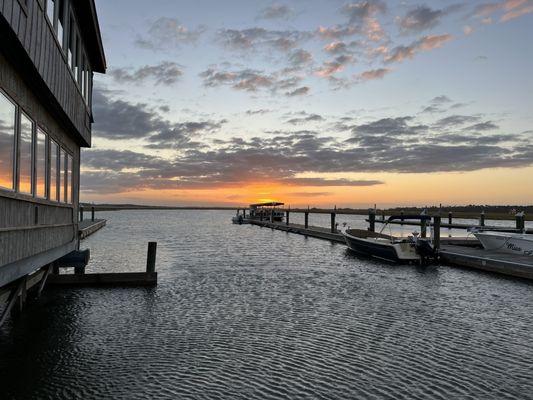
151,256
13,297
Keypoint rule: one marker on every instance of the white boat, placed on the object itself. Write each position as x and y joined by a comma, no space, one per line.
513,243
398,250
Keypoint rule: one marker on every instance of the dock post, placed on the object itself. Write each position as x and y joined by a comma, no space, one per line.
81,213
482,219
520,221
150,258
287,213
436,232
244,212
333,228
401,216
450,218
272,216
423,228
92,213
307,220
371,220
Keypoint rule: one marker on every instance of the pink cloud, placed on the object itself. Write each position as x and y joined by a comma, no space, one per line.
516,13
373,74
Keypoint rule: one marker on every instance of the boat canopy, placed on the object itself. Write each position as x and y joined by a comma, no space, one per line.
422,217
269,204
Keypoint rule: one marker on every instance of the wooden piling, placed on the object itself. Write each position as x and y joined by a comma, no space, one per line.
423,229
92,213
482,219
150,259
450,218
81,213
372,220
287,213
436,232
306,219
520,221
333,227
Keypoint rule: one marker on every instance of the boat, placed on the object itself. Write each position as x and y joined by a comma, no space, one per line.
512,243
240,219
267,211
398,250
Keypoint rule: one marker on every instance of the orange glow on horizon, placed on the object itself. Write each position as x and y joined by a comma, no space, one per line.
495,186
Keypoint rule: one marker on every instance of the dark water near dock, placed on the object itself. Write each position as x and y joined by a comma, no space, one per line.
243,312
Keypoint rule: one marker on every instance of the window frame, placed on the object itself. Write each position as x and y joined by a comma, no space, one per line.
56,198
46,169
13,188
20,113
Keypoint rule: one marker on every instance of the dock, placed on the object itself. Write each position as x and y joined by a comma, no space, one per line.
492,261
464,252
88,227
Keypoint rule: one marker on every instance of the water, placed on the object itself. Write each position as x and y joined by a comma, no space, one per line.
243,312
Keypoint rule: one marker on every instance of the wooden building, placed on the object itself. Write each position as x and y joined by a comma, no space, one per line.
49,50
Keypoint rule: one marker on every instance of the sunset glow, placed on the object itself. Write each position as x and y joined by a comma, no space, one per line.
317,103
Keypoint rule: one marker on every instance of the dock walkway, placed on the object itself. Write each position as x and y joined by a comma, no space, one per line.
87,227
455,251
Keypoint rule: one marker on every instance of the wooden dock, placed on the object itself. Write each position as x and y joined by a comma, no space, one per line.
455,251
493,261
88,227
104,279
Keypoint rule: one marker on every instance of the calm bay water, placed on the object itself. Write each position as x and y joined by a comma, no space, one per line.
243,312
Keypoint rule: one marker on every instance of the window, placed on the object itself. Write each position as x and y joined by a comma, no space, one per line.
60,30
68,196
40,164
7,142
62,181
25,154
72,38
54,170
50,10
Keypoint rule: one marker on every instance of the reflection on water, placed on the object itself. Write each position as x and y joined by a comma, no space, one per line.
243,312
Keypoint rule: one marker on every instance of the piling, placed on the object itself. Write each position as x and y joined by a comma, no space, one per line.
81,213
450,218
402,218
520,221
271,215
372,220
333,228
423,229
287,213
306,219
92,214
436,232
244,212
150,258
482,219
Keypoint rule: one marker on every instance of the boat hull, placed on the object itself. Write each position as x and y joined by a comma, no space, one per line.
507,242
376,247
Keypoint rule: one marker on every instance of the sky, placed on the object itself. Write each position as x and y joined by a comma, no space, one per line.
321,103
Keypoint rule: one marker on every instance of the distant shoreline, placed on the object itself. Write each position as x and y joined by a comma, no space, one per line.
468,212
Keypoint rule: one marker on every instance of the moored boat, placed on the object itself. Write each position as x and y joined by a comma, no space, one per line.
390,248
512,243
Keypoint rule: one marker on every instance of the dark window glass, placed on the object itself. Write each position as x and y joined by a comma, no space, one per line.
69,179
61,21
7,142
72,44
54,178
62,182
25,154
40,164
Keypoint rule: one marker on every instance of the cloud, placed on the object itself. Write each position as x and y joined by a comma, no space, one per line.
423,17
360,12
301,91
276,11
332,67
256,112
165,73
300,58
167,32
426,43
373,74
453,121
117,119
253,38
508,9
337,32
249,80
438,104
307,118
